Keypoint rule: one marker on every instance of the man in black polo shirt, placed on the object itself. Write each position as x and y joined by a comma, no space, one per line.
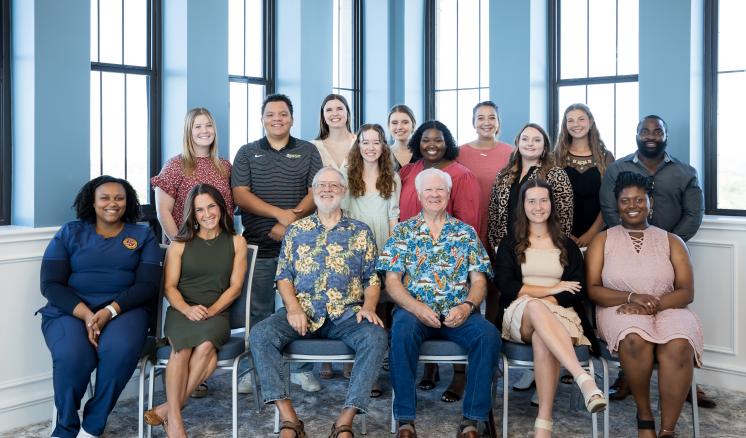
271,181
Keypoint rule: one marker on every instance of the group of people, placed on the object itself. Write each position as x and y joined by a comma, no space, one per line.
383,247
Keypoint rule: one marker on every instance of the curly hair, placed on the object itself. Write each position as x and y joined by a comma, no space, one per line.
323,126
632,179
189,227
515,164
188,161
521,228
414,142
598,148
385,182
86,197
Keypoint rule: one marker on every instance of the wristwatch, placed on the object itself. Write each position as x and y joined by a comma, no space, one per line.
474,308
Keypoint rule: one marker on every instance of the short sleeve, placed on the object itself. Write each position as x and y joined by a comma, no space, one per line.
391,257
170,177
369,274
241,171
394,200
285,268
479,261
314,166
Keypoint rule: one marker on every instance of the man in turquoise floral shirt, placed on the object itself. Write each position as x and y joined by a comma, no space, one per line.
436,273
327,278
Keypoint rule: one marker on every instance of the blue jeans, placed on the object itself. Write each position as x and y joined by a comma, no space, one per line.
74,359
270,336
479,337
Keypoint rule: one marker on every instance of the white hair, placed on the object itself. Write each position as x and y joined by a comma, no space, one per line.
432,171
342,178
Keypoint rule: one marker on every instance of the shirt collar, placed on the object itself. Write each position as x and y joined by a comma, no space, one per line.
344,221
635,159
264,144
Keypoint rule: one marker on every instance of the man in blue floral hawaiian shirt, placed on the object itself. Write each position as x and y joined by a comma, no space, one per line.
327,278
436,273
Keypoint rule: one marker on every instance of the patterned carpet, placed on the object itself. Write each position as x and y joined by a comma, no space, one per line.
211,416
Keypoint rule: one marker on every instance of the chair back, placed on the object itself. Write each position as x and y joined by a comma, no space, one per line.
240,313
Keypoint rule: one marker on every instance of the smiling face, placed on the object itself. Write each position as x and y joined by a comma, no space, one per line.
277,119
537,205
203,132
335,114
433,194
328,192
531,144
634,205
371,145
401,126
578,123
206,212
433,145
486,122
651,138
109,203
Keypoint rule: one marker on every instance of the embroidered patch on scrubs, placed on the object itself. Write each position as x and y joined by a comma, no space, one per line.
129,243
293,155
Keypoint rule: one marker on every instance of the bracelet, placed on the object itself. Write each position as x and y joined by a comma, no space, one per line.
472,305
629,297
112,310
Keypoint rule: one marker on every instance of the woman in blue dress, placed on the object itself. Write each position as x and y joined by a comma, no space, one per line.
99,274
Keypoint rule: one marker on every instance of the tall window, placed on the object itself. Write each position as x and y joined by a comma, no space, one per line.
250,67
5,158
597,63
124,91
347,54
725,84
457,61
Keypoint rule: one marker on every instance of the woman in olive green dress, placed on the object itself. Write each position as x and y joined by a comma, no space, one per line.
205,267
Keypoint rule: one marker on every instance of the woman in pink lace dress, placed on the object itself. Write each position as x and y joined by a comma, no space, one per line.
640,277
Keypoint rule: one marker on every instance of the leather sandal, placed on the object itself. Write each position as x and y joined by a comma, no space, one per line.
326,372
540,423
345,428
594,398
703,400
428,384
449,396
406,431
468,430
667,433
295,426
201,391
151,418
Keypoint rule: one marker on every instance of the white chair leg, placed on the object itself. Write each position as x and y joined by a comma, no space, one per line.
505,395
393,420
151,388
234,397
695,408
364,425
277,420
141,397
605,366
594,416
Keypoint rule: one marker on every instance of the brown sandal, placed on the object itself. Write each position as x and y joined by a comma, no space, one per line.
151,418
295,426
336,430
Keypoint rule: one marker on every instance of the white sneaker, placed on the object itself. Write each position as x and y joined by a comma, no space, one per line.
244,384
306,380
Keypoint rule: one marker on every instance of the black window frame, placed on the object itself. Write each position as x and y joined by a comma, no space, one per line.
555,59
153,71
711,72
357,68
6,170
268,74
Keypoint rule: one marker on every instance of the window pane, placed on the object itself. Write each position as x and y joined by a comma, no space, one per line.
112,124
446,54
254,38
731,35
235,37
627,116
629,43
446,109
137,130
484,44
731,154
94,30
601,103
110,27
468,43
346,61
136,32
602,38
95,123
566,97
573,39
464,131
256,96
238,117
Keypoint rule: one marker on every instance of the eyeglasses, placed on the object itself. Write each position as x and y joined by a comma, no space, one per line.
335,187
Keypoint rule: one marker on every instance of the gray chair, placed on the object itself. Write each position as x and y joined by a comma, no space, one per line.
318,350
607,360
229,356
521,356
437,351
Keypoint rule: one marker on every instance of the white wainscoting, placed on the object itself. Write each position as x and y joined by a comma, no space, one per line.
718,253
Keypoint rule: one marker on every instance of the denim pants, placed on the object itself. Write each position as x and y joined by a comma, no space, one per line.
479,337
270,336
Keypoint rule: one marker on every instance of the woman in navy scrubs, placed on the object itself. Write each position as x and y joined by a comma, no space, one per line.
99,275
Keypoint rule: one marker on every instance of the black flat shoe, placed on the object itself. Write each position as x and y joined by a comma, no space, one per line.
428,384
